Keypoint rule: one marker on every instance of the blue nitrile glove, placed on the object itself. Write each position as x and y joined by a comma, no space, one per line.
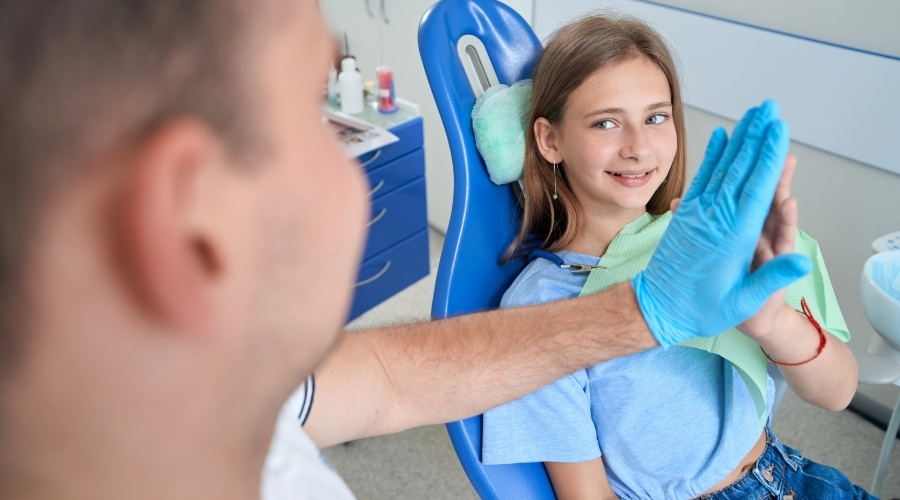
698,282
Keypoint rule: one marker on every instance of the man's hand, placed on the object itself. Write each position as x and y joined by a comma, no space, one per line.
699,281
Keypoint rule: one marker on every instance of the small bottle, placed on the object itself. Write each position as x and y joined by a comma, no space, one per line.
370,94
333,86
386,97
350,84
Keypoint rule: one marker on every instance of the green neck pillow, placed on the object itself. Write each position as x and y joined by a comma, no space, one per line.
499,119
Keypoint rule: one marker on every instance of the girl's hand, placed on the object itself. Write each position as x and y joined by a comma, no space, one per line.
825,378
778,237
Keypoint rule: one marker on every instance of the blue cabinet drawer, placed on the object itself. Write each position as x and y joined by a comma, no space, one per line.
411,138
386,178
389,272
395,216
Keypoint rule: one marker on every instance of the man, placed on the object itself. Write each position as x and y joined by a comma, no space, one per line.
170,196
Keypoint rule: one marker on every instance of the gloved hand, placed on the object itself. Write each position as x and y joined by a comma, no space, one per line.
698,282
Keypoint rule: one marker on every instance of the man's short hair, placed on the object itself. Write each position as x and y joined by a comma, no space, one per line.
81,78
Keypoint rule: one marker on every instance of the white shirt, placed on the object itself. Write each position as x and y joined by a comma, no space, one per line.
294,468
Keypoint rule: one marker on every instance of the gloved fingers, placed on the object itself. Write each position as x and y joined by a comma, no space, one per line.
772,276
758,191
752,126
752,155
731,151
714,150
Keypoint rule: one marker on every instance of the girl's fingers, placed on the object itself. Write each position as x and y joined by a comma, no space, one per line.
787,230
783,191
674,204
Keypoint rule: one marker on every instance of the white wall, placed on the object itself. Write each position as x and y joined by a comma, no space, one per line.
862,24
525,8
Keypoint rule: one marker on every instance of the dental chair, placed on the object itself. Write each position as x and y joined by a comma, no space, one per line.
468,46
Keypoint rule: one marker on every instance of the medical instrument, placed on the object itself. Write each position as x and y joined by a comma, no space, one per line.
556,259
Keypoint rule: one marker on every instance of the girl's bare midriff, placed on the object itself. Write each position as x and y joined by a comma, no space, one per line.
745,465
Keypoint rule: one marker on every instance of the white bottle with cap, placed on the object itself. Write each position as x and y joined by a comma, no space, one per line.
350,85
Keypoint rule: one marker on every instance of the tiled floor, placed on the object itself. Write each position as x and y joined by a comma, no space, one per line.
421,464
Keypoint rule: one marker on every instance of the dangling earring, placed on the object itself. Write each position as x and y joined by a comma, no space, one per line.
555,173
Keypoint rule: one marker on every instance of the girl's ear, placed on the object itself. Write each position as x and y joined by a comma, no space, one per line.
547,140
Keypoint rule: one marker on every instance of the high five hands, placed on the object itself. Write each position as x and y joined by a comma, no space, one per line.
723,255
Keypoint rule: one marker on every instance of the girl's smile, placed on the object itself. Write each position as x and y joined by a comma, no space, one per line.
632,178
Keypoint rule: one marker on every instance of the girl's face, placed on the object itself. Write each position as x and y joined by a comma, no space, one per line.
617,139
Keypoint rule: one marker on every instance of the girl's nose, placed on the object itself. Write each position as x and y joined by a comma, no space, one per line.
636,145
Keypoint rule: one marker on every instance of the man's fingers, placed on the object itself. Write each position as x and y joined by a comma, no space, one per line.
732,149
752,152
759,190
777,273
711,160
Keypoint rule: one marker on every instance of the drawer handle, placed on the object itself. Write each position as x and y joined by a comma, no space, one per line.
370,160
379,274
376,188
377,217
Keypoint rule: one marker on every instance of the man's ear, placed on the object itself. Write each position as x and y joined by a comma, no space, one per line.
170,259
547,139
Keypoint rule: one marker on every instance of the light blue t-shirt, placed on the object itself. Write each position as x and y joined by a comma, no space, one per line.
668,423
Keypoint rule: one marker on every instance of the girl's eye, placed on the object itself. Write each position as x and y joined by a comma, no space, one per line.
604,124
657,119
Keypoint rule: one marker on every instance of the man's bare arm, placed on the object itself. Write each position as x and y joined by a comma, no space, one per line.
387,380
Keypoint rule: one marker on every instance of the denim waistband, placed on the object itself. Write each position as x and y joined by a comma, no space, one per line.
767,472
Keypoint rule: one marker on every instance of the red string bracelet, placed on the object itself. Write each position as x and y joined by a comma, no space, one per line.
822,338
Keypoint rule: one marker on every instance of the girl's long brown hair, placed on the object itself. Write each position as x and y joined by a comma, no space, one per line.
573,54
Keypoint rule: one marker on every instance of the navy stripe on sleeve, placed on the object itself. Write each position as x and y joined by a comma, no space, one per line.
309,389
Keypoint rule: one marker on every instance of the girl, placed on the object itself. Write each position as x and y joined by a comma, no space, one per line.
604,161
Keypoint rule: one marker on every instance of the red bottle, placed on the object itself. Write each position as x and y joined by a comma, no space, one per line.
386,100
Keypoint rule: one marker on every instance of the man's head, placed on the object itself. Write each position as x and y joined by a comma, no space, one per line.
171,202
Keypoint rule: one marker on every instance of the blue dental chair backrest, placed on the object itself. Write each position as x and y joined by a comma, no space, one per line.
467,46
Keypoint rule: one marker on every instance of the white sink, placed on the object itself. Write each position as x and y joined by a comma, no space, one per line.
880,293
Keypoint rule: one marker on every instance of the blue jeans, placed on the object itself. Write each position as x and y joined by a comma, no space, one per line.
781,472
